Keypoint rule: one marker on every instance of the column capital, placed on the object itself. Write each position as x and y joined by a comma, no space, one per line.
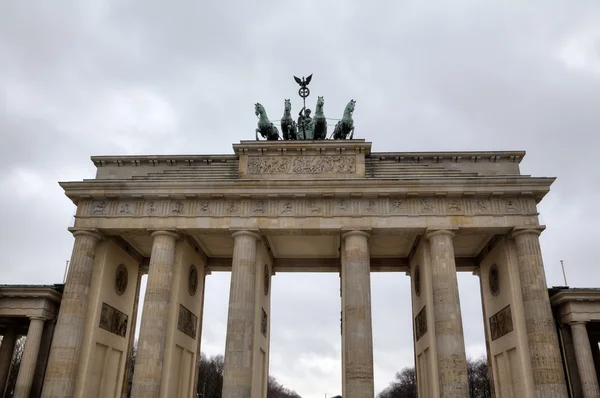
247,232
92,232
38,318
430,233
477,272
164,232
356,232
526,230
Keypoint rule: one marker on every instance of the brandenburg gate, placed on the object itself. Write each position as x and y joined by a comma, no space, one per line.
301,206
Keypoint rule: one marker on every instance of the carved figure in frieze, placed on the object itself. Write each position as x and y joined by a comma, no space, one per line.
124,209
177,207
397,204
259,206
100,207
231,207
370,206
265,128
289,129
302,164
480,205
151,209
511,205
426,207
454,205
204,206
343,204
287,208
344,129
312,207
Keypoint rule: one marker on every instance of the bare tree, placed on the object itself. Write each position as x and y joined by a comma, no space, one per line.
403,386
276,390
15,364
405,383
479,381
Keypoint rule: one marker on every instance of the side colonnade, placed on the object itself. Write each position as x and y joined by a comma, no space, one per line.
94,331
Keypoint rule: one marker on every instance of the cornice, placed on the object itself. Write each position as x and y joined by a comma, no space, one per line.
563,297
536,187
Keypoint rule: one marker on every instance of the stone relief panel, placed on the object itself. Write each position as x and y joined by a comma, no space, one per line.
501,323
426,206
399,206
186,322
100,208
263,323
421,323
177,208
126,208
113,320
454,205
307,207
302,165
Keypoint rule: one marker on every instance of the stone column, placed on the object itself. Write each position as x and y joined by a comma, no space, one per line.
237,374
7,349
29,358
68,334
546,362
147,373
585,361
357,336
450,342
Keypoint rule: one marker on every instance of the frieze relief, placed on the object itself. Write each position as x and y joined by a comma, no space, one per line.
501,323
302,165
113,320
309,207
187,321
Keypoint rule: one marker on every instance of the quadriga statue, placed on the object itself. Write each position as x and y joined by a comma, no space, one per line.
345,127
265,127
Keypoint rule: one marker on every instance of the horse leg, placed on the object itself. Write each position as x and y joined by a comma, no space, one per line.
256,134
352,132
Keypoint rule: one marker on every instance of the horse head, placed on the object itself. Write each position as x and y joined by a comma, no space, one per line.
259,109
350,106
320,103
287,106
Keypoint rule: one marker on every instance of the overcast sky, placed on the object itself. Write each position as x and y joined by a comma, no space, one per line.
100,77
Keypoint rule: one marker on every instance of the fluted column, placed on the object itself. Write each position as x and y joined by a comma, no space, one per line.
153,330
357,331
546,363
9,339
585,361
68,334
450,342
237,374
29,358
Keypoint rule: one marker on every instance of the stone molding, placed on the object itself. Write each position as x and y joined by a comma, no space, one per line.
93,233
253,234
534,230
356,232
171,234
437,232
303,206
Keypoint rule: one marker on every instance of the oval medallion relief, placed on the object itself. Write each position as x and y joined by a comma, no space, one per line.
121,279
193,280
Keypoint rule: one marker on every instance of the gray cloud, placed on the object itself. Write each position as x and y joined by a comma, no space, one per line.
98,77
